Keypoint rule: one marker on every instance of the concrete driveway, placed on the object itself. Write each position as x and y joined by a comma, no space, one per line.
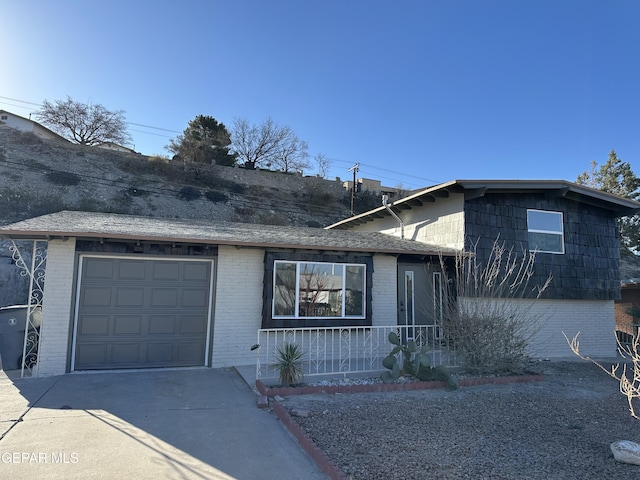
178,424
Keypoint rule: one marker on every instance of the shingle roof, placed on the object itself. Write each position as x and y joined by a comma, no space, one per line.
127,227
619,206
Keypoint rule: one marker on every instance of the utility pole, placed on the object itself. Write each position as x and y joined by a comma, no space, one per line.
354,169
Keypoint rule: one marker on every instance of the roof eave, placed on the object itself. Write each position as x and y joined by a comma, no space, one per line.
477,188
39,235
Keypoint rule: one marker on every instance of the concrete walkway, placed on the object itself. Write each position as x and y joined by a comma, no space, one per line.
156,424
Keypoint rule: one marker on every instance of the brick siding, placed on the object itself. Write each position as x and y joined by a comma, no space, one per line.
385,291
55,332
238,305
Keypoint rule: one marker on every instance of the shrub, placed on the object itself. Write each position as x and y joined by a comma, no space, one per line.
488,316
63,178
189,193
136,192
214,196
159,158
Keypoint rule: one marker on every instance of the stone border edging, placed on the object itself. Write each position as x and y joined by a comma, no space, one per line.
390,387
316,453
308,445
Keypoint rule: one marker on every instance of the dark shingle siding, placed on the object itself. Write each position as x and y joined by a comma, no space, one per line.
589,268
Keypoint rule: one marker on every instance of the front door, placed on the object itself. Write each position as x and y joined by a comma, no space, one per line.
420,297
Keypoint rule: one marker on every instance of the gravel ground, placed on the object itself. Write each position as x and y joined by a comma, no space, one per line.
558,428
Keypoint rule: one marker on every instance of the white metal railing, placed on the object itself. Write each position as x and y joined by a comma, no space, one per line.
346,350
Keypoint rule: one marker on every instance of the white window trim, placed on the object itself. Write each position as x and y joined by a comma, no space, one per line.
549,232
297,294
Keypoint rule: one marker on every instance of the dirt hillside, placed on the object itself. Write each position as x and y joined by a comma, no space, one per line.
44,176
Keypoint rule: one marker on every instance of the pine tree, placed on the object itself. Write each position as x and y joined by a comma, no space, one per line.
203,141
616,177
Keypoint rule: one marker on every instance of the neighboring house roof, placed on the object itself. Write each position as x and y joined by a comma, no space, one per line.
127,227
116,147
619,206
33,126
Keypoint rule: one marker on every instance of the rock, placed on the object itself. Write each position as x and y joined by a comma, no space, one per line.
626,452
278,398
262,402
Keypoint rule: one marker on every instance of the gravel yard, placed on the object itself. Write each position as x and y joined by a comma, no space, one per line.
558,428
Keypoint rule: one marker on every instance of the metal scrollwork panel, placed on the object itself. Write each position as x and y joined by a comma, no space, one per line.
34,267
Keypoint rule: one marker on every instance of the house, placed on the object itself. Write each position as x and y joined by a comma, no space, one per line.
628,310
572,228
133,292
16,122
115,147
369,185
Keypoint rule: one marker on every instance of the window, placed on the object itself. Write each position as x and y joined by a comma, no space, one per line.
318,290
545,231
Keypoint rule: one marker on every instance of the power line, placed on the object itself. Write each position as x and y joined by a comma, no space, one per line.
21,101
150,133
128,123
345,162
156,128
394,172
14,105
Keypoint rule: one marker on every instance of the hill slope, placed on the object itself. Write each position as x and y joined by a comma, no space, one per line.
43,176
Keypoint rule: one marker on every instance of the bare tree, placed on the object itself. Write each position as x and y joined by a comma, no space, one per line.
402,191
629,381
267,144
291,154
323,164
84,123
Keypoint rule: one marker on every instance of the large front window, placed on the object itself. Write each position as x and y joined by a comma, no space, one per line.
318,290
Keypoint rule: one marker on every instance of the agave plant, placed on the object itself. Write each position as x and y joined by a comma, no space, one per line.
289,363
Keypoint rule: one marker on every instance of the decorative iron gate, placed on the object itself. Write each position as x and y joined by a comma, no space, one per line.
31,265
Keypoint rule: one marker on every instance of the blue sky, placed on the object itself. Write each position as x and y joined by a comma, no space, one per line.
417,92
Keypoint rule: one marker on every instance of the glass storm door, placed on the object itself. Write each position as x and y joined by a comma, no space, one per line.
420,297
407,304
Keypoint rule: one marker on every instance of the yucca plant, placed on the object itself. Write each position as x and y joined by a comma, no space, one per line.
289,363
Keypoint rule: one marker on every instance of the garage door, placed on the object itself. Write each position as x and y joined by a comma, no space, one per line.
141,312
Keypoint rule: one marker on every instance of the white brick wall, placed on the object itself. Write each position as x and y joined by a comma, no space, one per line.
238,305
385,291
57,308
594,319
238,311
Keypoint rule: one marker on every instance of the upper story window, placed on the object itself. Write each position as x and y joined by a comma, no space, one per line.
546,232
318,290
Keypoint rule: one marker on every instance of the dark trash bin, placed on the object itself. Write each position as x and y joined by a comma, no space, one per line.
12,325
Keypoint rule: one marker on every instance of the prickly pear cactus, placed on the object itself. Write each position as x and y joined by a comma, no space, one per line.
416,362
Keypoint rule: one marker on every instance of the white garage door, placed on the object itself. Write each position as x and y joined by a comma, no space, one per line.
142,312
